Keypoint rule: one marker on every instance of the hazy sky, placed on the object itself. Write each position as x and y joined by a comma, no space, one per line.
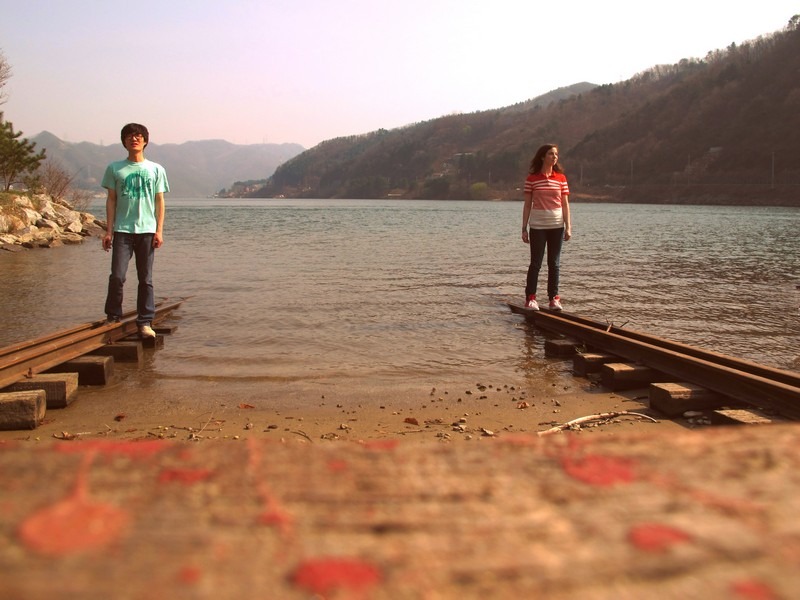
252,71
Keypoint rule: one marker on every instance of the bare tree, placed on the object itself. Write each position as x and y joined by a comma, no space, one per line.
54,180
5,75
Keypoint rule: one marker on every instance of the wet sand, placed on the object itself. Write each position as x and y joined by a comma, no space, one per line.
320,411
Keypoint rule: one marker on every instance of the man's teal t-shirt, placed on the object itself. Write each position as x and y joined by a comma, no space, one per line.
136,184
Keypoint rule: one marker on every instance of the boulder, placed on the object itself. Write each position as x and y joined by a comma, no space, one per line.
30,216
23,202
65,215
71,238
46,223
74,226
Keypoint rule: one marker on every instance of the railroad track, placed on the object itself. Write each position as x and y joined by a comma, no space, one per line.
34,356
751,383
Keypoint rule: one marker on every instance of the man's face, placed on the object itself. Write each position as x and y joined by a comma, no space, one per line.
134,142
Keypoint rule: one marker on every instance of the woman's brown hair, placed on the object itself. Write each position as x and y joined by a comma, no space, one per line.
538,160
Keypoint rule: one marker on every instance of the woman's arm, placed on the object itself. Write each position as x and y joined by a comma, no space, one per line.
526,214
567,218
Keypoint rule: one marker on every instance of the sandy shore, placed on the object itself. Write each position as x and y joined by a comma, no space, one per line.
342,410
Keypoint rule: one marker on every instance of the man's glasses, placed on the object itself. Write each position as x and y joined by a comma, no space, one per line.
132,136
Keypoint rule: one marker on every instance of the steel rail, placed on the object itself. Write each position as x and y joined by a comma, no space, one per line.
63,333
34,356
741,380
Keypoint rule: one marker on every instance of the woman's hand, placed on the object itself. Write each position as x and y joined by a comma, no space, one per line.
525,234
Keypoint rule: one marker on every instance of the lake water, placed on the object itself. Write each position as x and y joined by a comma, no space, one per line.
416,291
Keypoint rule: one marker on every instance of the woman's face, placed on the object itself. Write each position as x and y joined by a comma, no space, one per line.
551,157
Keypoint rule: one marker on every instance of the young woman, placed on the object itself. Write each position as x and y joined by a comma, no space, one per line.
546,214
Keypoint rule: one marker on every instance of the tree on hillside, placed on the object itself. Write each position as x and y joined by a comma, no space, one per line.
5,75
18,156
53,179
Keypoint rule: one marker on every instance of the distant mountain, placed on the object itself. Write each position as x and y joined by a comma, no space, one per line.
718,129
194,169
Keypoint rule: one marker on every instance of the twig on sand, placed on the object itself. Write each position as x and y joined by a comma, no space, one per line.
206,425
303,434
576,423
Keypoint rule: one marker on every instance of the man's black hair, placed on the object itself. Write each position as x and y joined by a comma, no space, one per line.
131,128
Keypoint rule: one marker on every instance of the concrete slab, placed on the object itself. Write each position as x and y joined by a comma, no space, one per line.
697,515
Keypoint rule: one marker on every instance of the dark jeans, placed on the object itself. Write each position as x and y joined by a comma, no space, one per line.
552,239
140,246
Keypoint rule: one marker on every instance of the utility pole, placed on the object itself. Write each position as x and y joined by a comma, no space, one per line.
688,167
772,186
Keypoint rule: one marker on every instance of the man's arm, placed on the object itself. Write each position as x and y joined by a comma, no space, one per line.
158,238
111,214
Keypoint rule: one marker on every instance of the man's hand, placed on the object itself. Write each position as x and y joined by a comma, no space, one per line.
107,242
158,240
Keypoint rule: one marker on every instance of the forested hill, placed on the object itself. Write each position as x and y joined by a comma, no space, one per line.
718,129
194,169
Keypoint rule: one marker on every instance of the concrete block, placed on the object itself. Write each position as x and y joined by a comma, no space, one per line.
91,370
165,329
590,362
674,399
127,352
22,410
559,347
61,389
624,376
149,343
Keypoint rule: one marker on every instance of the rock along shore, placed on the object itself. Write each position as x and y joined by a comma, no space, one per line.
40,222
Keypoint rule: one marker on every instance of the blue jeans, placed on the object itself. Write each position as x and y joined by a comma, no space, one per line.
125,245
552,239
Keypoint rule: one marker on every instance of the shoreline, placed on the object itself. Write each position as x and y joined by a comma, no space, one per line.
453,411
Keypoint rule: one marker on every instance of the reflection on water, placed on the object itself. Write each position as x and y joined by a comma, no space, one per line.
292,289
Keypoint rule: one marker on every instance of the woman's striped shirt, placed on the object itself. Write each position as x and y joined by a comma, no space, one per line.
547,195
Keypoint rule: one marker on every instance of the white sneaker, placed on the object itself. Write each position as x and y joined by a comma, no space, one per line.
555,303
531,303
146,331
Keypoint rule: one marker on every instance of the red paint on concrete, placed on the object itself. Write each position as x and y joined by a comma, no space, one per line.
190,575
184,476
752,589
381,445
273,514
600,470
131,449
327,575
522,440
72,526
657,537
276,518
337,465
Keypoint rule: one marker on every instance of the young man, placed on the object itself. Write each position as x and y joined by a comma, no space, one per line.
135,215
